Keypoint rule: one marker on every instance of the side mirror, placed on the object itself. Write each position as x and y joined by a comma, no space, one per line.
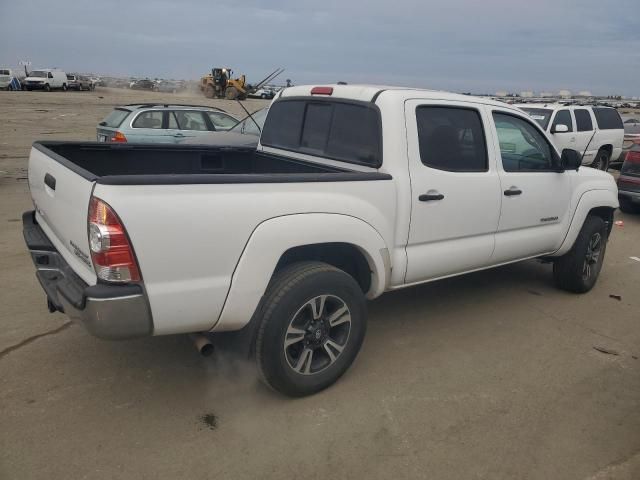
50,75
103,124
570,160
560,128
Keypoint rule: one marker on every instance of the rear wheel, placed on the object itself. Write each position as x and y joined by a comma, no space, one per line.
312,324
64,87
627,206
577,271
601,162
47,87
231,93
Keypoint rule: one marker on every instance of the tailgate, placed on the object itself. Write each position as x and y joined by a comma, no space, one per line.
61,198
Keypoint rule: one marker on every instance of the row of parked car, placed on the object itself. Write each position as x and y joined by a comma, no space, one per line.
170,86
46,79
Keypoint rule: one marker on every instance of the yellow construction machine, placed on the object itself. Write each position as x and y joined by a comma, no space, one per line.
221,84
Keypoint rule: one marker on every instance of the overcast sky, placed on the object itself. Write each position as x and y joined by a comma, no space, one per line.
460,45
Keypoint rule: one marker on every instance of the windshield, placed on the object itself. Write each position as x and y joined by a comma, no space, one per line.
38,74
247,126
540,115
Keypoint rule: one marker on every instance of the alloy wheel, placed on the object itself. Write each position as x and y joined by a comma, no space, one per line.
317,334
592,257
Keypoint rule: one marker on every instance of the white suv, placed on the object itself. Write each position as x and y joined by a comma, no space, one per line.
596,132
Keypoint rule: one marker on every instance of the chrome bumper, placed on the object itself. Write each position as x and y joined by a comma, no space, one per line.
107,311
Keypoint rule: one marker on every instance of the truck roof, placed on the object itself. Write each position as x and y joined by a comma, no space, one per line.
369,93
556,105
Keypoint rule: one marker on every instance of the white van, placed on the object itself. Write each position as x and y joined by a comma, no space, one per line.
46,79
596,132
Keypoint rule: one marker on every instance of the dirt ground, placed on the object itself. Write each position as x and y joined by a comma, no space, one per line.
495,375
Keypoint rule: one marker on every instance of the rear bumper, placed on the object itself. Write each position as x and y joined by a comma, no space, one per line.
629,187
107,311
633,196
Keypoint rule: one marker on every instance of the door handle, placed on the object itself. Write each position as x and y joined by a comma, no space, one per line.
179,135
50,181
512,192
428,197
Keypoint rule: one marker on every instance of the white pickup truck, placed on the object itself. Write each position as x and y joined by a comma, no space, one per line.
597,133
353,191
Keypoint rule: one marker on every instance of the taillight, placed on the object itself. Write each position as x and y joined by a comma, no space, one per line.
633,156
111,251
119,138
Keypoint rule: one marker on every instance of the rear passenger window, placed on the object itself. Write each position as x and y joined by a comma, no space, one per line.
563,117
346,131
608,119
151,119
583,120
191,120
451,139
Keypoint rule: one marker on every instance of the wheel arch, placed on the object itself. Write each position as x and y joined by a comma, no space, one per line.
345,256
340,240
608,147
601,203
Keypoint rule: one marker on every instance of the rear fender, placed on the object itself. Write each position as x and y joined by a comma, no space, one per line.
272,238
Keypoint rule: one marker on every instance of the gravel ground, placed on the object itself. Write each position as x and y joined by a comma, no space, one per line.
495,375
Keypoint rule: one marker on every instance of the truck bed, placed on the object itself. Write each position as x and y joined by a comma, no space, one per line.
147,164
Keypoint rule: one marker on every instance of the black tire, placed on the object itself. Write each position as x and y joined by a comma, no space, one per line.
231,93
601,162
570,271
47,87
263,96
627,206
64,87
285,303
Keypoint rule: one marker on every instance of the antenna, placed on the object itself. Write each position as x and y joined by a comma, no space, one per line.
250,115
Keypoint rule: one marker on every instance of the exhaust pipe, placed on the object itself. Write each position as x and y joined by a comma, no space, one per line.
202,344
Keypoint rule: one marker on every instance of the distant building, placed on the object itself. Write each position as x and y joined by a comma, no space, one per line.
502,93
526,94
564,93
585,93
546,94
